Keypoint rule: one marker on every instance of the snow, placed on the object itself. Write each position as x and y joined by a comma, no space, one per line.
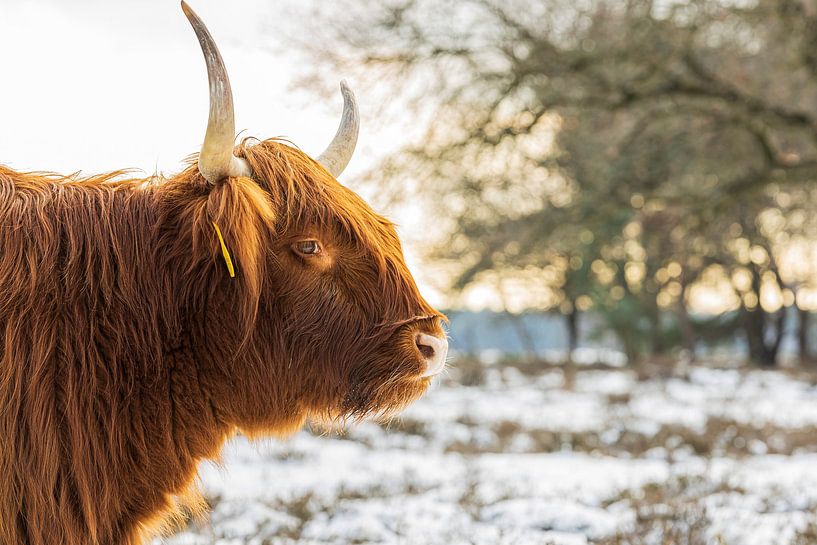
520,459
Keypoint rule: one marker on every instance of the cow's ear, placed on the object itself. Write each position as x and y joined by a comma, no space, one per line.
244,216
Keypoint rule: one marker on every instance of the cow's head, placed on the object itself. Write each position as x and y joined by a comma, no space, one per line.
343,329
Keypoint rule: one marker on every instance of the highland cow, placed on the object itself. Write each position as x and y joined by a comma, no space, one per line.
145,321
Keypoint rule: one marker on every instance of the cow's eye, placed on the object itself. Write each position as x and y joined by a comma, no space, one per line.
308,247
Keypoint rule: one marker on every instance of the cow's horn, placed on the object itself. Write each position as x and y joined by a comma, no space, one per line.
216,160
338,154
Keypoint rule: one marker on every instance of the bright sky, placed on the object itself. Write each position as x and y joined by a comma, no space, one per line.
94,85
97,85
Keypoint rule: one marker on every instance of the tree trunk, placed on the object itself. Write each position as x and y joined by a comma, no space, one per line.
572,323
685,323
756,324
780,320
803,337
753,329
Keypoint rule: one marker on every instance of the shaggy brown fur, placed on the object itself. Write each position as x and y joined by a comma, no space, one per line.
129,354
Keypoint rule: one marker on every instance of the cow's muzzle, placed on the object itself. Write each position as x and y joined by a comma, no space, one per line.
434,350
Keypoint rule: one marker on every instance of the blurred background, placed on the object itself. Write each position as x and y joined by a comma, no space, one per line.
614,200
642,172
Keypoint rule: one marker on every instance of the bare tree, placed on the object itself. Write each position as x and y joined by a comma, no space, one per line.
630,147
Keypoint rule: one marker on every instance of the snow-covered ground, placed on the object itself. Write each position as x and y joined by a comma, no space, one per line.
719,456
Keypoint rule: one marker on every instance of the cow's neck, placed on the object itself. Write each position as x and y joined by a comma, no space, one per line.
175,425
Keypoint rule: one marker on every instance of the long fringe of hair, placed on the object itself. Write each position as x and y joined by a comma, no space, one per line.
100,278
115,301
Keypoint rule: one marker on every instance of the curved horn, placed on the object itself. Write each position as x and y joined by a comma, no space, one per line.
216,160
338,154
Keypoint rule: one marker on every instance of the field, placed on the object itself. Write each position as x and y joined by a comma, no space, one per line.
516,454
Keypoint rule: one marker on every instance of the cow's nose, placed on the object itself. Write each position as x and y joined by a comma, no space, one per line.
434,349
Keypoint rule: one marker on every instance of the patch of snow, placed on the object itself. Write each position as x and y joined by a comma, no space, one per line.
460,466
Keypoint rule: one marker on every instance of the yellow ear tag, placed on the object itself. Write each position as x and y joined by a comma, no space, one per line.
225,252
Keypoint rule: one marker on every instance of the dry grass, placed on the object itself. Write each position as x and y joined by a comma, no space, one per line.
670,513
721,437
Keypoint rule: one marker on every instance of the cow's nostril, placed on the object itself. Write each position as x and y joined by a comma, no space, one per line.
434,349
426,350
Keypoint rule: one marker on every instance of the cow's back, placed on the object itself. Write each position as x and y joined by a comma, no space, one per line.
72,334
